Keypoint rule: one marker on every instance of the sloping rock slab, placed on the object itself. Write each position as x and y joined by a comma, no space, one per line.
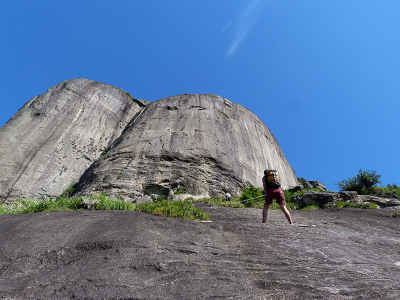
48,144
381,201
328,254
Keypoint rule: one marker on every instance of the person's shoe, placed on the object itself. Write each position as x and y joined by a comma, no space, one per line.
263,222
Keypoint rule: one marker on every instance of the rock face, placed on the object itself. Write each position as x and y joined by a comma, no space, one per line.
48,144
189,145
330,198
327,254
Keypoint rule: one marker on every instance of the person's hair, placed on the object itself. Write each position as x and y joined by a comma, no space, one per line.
265,172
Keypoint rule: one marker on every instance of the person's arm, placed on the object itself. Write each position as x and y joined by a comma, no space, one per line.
264,184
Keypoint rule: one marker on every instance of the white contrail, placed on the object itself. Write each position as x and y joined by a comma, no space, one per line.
246,21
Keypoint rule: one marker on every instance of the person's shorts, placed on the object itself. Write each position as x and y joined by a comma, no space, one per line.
275,194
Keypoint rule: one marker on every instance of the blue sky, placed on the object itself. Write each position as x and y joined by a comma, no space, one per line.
323,75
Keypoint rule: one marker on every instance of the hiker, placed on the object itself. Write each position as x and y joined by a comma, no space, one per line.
272,188
228,197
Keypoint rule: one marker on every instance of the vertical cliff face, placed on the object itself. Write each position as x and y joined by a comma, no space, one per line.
198,145
48,144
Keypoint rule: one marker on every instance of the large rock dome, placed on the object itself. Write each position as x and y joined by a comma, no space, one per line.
48,144
188,145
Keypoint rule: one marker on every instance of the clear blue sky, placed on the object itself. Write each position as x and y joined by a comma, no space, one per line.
323,75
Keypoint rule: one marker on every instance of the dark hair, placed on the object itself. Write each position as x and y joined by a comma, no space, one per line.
265,172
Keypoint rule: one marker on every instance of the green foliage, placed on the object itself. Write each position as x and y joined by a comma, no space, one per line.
362,183
180,190
25,205
288,196
390,190
302,181
365,205
87,158
104,150
250,193
175,209
104,202
223,113
310,207
395,214
69,191
17,206
215,201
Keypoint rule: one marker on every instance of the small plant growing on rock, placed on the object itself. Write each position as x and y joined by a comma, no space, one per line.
250,193
180,190
223,113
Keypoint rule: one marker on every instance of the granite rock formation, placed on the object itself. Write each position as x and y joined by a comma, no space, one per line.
188,145
330,199
327,254
48,144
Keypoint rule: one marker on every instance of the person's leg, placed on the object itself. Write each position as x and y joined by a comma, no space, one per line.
265,211
286,212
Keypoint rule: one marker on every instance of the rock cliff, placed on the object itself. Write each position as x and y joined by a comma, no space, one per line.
48,144
97,134
188,145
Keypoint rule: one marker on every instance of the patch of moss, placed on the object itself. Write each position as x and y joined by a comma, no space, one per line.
224,114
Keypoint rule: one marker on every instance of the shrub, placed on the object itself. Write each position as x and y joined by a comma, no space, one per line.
389,190
105,202
175,209
180,190
362,183
250,193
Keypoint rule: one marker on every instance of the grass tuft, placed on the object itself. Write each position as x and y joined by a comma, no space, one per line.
176,209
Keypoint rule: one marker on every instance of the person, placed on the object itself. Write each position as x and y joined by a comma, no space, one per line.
274,193
228,197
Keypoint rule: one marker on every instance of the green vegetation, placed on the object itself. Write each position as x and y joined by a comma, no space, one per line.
362,183
389,190
366,183
250,193
223,113
395,214
180,190
215,201
69,191
25,205
342,204
104,202
175,209
185,209
104,150
310,207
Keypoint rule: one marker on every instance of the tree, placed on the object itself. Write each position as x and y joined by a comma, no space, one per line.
362,183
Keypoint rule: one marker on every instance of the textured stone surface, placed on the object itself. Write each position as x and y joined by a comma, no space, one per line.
48,144
315,198
334,254
203,144
381,201
317,185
